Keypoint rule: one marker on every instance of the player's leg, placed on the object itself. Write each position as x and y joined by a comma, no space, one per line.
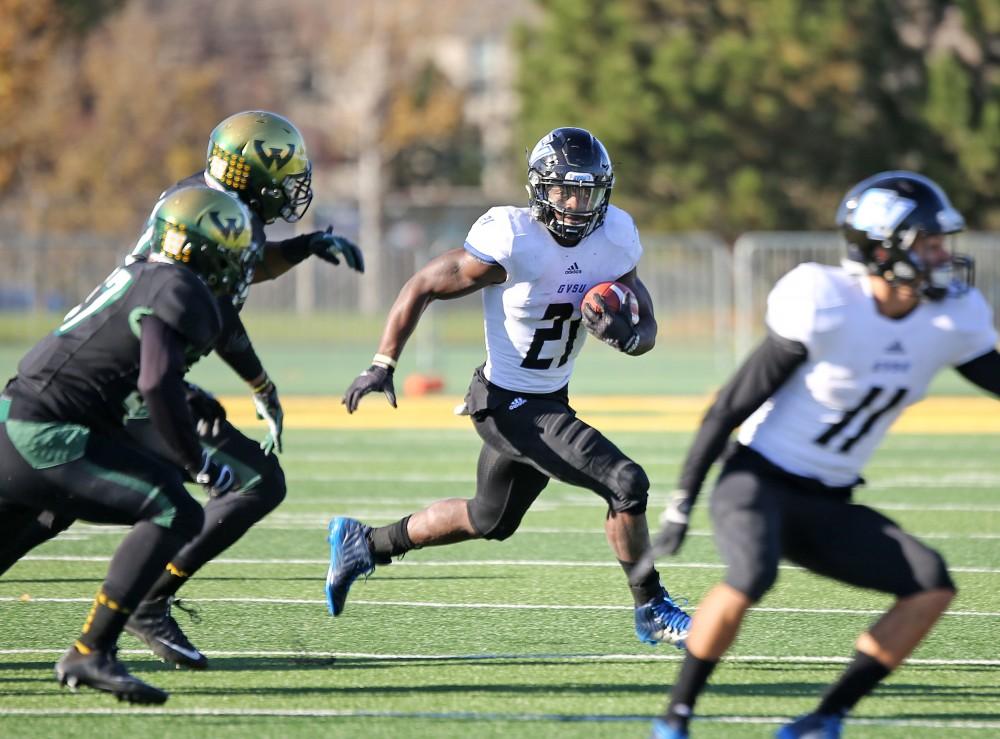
19,534
505,489
545,433
107,483
870,551
746,516
227,518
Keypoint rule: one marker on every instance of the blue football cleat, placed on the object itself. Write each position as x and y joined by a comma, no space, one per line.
349,558
661,620
812,726
663,730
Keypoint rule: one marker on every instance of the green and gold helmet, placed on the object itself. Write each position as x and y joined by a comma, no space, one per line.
208,231
262,158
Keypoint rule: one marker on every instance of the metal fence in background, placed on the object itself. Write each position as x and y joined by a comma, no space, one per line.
760,258
706,296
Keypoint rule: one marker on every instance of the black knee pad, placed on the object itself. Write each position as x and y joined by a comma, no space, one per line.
631,488
753,580
930,572
489,521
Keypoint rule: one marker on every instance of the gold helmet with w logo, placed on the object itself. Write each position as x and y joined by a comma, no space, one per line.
208,231
262,157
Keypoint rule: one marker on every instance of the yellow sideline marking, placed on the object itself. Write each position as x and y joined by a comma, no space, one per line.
938,415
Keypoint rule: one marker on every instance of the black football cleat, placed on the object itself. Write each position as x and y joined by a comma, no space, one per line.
152,624
101,670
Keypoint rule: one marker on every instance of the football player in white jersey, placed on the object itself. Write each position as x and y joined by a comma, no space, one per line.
848,348
533,265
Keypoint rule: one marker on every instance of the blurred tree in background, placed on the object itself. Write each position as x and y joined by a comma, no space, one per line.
730,116
722,115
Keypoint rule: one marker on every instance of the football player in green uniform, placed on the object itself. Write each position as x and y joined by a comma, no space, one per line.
63,448
260,158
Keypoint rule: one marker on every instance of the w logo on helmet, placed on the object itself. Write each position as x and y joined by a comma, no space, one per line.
233,227
275,156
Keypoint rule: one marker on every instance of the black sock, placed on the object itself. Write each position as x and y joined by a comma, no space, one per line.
643,588
139,561
168,583
858,680
390,541
690,682
104,624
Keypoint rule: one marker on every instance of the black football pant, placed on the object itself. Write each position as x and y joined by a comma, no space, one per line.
226,518
112,482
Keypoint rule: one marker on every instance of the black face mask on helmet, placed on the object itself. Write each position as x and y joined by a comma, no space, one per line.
882,217
569,183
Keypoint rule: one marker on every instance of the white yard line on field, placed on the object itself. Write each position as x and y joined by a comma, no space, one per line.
650,656
460,563
490,606
485,716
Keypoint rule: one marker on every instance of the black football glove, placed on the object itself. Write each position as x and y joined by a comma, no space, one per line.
612,327
332,248
217,479
207,412
668,540
673,523
374,378
268,407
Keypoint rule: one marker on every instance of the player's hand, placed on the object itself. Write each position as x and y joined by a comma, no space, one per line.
217,479
374,378
673,523
612,327
265,401
332,248
673,528
207,412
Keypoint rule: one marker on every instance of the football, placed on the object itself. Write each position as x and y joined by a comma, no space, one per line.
614,294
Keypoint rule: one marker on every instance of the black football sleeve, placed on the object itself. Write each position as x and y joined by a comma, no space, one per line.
983,371
161,383
233,344
764,371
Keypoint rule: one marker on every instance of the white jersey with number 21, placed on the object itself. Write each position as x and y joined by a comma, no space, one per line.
533,320
862,368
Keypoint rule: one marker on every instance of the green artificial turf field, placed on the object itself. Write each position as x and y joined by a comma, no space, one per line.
531,637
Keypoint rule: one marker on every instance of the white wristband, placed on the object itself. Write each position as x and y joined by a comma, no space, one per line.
384,360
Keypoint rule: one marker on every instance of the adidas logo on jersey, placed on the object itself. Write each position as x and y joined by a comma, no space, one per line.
574,269
516,403
895,347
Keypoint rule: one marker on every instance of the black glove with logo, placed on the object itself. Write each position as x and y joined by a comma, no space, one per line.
217,479
614,328
376,377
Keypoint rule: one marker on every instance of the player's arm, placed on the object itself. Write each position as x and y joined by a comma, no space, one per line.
161,384
280,256
451,275
764,371
615,327
983,371
646,328
235,349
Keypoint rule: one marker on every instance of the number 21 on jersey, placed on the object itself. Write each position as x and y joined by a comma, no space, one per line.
558,313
